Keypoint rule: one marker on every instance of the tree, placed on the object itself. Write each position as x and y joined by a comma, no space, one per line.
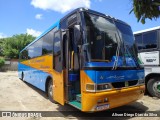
144,9
12,46
1,47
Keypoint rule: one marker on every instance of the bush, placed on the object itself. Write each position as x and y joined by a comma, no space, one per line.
2,61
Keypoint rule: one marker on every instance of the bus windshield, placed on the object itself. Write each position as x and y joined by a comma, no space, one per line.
108,42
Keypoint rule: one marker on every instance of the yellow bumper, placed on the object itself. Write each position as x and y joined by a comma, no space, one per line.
115,98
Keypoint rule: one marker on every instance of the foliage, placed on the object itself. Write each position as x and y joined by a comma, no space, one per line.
1,47
146,9
12,46
2,61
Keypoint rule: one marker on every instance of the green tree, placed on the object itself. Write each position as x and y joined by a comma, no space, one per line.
144,9
12,46
1,47
2,61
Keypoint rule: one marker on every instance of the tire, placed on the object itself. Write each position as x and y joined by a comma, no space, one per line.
50,91
153,87
22,77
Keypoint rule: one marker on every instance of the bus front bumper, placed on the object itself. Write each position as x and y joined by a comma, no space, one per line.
106,100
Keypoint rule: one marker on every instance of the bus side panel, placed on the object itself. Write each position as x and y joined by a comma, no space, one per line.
37,70
34,76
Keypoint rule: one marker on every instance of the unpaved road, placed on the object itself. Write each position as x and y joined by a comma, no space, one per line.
16,95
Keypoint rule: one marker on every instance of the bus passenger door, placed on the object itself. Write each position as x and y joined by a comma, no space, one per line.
58,81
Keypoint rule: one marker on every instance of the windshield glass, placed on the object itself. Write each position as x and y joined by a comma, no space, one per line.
107,43
126,34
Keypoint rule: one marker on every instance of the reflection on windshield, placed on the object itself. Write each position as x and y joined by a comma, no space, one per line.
102,38
104,42
126,35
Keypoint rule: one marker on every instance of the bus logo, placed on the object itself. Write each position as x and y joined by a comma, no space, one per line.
116,77
150,60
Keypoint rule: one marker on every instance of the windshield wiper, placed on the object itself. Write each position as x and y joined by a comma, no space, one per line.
117,55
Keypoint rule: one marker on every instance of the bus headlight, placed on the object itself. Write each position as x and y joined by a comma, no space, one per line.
90,87
103,87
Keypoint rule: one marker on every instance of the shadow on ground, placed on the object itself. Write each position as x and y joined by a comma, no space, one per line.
42,93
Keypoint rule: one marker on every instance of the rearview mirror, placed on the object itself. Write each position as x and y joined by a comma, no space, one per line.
77,34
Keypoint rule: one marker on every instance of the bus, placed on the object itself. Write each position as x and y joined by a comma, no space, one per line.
148,44
87,60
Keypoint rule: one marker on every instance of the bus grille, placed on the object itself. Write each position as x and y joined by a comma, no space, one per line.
123,84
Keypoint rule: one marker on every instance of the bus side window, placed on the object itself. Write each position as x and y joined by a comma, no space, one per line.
57,60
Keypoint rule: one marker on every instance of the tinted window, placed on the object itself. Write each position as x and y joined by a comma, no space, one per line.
57,42
101,38
146,40
35,49
24,55
126,33
150,40
138,39
48,42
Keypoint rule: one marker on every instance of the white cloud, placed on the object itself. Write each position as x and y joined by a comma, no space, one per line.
2,35
60,5
38,16
33,32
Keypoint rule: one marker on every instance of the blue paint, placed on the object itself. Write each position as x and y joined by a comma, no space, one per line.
49,29
129,63
33,76
114,75
73,77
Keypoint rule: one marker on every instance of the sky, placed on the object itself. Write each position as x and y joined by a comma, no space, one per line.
35,16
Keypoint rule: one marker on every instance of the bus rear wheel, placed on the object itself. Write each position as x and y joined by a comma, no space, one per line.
50,91
22,76
153,87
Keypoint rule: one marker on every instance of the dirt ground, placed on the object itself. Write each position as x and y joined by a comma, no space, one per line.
16,95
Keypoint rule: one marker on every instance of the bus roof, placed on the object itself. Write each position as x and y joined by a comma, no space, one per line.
92,11
146,30
76,10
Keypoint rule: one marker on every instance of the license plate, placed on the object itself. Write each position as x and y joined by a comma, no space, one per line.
102,107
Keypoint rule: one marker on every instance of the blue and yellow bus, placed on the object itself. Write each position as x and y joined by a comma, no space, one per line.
87,59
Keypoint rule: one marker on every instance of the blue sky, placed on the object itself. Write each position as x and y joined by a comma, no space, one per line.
35,16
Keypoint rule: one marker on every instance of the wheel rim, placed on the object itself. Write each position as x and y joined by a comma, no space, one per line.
156,87
50,90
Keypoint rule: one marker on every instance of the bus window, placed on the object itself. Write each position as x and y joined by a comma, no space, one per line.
57,47
35,49
57,52
24,55
138,39
150,40
47,46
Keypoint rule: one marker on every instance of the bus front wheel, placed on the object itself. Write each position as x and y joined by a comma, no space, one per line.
50,91
153,87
